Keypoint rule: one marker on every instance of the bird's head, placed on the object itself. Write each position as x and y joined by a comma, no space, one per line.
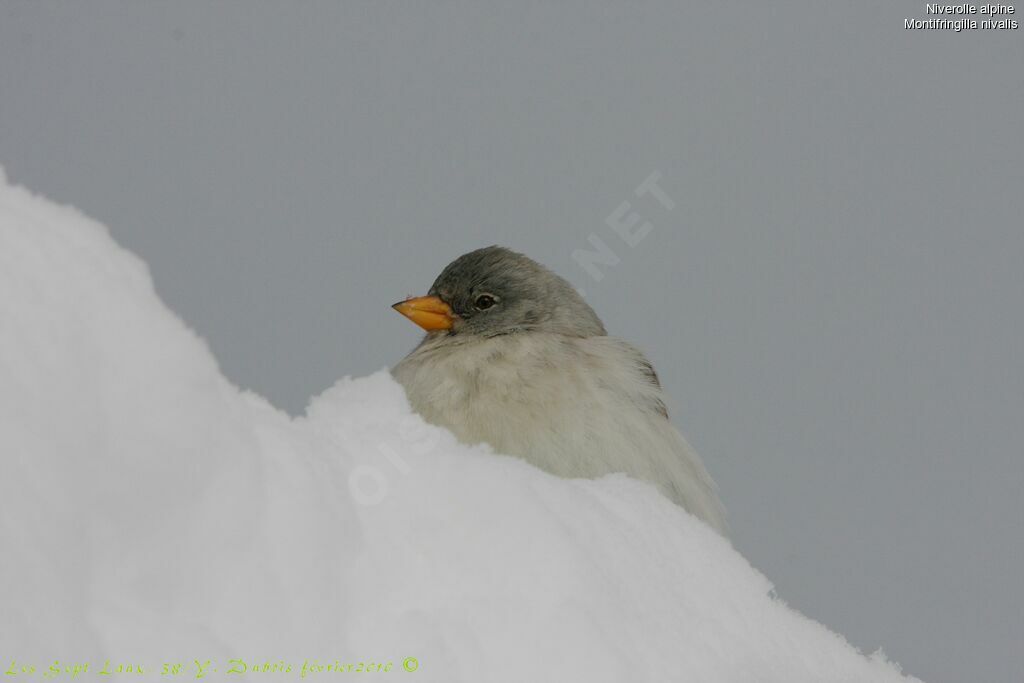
495,291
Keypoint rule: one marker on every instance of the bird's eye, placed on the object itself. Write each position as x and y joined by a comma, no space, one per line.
484,301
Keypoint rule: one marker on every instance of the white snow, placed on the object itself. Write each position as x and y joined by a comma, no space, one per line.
152,512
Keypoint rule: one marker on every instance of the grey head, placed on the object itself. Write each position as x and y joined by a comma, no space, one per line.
495,291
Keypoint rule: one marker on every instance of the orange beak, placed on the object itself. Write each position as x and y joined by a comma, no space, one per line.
429,312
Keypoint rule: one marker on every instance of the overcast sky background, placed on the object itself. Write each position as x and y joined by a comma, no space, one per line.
834,301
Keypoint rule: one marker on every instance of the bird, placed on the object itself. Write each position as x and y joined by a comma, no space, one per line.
515,358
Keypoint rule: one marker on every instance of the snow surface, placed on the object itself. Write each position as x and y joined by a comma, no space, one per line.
151,512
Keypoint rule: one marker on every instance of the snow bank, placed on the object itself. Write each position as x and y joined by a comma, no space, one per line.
152,513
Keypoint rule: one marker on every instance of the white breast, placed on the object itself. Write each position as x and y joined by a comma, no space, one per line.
576,407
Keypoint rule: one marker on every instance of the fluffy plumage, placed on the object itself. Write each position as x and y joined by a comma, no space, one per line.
534,374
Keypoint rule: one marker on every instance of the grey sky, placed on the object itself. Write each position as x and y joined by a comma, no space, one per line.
834,302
